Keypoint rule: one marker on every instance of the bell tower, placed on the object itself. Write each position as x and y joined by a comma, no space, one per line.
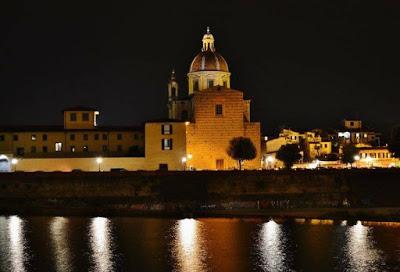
173,87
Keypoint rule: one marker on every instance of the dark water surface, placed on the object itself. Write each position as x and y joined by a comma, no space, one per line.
147,244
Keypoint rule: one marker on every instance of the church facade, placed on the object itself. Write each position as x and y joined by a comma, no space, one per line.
199,127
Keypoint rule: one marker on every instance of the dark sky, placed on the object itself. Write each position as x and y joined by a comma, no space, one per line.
303,63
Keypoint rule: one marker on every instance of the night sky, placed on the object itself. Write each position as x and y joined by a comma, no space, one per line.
304,64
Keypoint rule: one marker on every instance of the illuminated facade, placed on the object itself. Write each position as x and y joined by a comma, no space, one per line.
211,115
80,136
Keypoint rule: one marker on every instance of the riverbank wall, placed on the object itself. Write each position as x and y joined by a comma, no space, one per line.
366,193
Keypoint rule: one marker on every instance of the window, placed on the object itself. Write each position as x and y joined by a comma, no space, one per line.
58,147
72,137
195,85
85,116
85,148
85,137
96,137
166,129
163,166
33,137
72,148
119,136
15,137
210,83
218,109
352,124
33,149
104,136
119,148
72,117
173,92
44,149
44,137
105,148
166,144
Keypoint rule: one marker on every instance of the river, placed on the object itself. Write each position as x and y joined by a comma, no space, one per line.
157,244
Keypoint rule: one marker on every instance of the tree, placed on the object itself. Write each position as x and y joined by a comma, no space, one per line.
241,149
289,154
349,151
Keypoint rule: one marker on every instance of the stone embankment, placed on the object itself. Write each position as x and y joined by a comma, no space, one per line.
365,194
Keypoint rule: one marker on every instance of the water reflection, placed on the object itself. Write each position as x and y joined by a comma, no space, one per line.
101,243
188,246
17,244
59,237
272,247
361,253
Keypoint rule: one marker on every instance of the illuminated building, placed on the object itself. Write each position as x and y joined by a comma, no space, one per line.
79,136
210,116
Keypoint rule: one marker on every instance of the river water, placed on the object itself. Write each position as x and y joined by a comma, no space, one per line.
154,244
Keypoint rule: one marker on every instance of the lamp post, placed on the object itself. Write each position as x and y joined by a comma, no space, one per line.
184,159
14,162
270,160
99,160
356,159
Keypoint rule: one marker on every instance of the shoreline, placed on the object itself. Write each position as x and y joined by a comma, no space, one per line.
383,214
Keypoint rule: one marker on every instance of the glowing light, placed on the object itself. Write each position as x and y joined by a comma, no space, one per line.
184,160
17,243
187,246
59,237
272,247
357,157
270,159
14,161
360,250
187,123
100,243
99,160
189,156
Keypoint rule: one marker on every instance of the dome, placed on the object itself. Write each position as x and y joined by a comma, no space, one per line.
208,61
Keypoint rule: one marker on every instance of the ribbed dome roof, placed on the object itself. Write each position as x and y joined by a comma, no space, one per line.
208,61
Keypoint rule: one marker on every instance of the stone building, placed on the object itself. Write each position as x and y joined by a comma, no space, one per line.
80,136
211,115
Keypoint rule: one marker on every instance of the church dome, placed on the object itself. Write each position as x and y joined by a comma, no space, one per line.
208,59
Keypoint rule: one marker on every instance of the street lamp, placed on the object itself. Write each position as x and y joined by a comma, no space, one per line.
184,160
99,160
270,160
14,162
356,159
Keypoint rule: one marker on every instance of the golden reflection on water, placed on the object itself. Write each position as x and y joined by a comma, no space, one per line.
188,245
17,243
272,248
59,238
360,251
100,243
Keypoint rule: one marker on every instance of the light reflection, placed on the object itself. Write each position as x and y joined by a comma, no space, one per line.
361,253
272,247
59,237
188,246
101,243
17,243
